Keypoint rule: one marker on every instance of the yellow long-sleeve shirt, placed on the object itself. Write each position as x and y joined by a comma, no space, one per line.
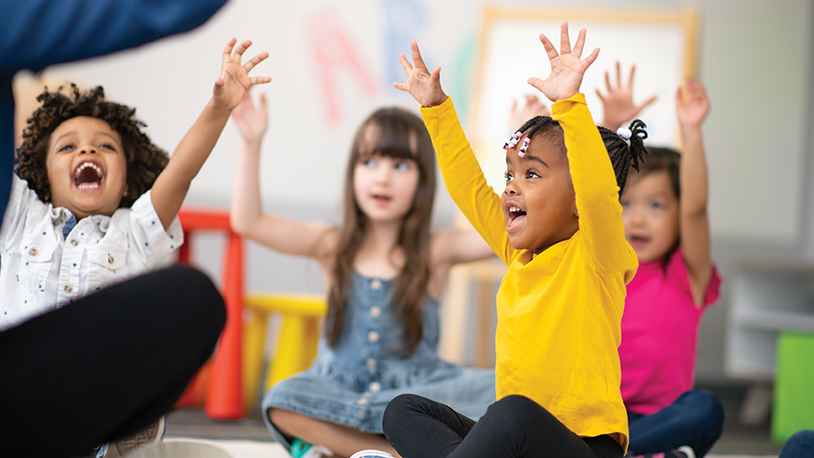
559,312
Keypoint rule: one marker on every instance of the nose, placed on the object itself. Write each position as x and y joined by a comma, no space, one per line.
636,217
87,150
510,189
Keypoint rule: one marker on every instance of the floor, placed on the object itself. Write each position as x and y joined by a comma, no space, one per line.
737,439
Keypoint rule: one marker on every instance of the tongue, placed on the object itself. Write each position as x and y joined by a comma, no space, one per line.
87,175
514,222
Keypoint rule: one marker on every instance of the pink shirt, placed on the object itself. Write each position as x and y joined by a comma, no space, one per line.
660,334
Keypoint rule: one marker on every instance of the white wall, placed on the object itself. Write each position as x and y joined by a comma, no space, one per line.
754,59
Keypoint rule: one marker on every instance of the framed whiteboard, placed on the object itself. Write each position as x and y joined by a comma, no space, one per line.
662,45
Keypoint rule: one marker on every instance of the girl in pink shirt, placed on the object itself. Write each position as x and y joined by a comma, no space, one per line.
666,222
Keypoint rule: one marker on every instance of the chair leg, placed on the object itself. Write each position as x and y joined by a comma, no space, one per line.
288,354
254,339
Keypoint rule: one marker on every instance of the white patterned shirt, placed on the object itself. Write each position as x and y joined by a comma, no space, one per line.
41,269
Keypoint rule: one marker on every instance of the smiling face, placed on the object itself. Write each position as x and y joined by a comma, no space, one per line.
384,187
538,203
650,215
87,168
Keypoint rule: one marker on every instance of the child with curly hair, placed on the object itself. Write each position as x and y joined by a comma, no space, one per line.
94,202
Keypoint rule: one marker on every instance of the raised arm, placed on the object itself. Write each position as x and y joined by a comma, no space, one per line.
618,104
38,33
531,107
692,106
171,186
246,214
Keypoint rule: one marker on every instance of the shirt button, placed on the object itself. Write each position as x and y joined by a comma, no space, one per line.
68,288
370,362
375,284
375,311
74,243
33,252
361,401
373,336
110,259
375,387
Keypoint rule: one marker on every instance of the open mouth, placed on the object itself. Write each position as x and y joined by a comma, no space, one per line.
382,198
516,216
639,240
88,175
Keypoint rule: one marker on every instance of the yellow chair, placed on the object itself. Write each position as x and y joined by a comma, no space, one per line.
296,341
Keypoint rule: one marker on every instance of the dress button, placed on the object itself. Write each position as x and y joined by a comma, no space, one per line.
375,387
370,362
375,311
68,288
74,243
375,284
361,401
110,259
33,252
373,336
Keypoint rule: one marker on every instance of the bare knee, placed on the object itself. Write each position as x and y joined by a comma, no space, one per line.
288,422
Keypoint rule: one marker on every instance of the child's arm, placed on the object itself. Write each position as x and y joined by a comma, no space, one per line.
618,103
531,108
171,186
592,174
459,166
692,107
246,213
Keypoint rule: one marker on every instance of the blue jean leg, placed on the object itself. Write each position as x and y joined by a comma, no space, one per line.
696,419
800,445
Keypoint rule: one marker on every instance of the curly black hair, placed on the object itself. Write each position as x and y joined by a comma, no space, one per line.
624,153
144,160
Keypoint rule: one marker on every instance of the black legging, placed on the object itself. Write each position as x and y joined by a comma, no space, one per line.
514,427
107,365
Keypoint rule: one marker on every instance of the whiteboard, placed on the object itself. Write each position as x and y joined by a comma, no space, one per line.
660,44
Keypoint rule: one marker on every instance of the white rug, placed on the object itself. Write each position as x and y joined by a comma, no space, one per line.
256,449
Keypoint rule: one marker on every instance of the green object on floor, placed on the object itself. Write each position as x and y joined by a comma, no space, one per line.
793,406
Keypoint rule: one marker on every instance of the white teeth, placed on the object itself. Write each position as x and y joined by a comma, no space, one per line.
514,209
85,165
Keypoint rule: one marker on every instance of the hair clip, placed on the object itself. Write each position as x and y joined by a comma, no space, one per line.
512,141
624,132
524,147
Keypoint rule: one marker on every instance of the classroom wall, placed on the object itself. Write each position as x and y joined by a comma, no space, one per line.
332,63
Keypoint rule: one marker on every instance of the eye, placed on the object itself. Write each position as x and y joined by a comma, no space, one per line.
107,146
625,203
656,205
66,147
508,177
403,166
532,174
369,162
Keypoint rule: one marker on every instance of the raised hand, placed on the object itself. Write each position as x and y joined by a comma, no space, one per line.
692,104
234,80
533,107
618,103
251,121
424,86
567,66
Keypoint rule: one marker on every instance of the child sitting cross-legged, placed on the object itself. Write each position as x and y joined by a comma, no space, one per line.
558,227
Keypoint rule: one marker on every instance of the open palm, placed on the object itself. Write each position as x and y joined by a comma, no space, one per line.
234,80
567,66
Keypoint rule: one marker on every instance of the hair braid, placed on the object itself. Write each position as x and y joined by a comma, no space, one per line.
623,153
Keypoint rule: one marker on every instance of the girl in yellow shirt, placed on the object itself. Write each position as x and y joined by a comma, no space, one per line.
557,226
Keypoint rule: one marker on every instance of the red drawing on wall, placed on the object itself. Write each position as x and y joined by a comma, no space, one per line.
334,53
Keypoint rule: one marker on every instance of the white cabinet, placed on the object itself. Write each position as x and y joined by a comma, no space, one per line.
768,297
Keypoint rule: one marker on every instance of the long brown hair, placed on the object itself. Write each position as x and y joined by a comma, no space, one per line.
400,134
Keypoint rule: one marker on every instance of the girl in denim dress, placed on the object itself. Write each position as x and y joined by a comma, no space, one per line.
385,271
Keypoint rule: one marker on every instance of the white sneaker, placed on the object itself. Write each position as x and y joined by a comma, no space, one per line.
371,454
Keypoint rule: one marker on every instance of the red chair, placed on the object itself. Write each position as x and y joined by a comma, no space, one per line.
223,381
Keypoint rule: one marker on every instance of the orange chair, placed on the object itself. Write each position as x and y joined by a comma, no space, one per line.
224,387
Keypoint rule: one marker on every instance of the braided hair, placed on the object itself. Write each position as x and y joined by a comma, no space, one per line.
144,160
623,153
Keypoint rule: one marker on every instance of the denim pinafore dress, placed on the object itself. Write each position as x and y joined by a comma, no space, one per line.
352,383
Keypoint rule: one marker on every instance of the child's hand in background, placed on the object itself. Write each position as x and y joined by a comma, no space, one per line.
692,104
424,86
234,80
532,108
618,104
251,121
567,68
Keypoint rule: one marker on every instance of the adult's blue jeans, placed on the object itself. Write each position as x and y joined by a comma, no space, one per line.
696,419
